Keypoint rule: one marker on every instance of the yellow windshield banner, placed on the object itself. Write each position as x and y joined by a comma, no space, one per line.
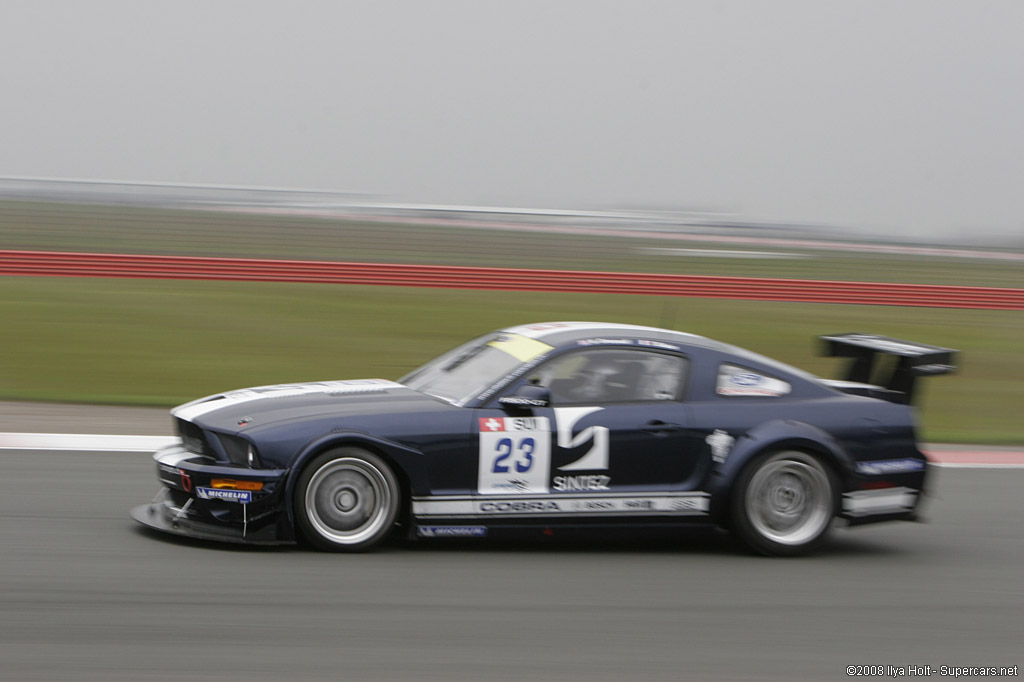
520,347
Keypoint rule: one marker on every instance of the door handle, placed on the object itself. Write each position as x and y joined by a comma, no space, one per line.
660,428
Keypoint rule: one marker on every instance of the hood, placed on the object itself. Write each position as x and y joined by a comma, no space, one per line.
235,410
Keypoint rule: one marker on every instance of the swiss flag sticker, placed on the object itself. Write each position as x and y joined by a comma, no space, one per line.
491,424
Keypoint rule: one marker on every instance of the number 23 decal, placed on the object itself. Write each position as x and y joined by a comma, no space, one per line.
514,455
520,454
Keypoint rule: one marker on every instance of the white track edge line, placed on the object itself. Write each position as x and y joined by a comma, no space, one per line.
84,442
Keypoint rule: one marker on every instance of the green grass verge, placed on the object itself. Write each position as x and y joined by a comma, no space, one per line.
164,342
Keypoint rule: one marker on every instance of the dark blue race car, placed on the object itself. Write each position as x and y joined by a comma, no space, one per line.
551,427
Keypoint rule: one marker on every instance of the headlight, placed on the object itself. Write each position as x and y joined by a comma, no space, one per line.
239,451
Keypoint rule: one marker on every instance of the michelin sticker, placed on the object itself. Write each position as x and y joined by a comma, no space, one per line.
243,496
451,531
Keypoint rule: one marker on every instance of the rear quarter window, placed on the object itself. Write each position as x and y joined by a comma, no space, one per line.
738,381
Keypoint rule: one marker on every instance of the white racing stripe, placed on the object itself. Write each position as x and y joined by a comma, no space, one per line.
190,411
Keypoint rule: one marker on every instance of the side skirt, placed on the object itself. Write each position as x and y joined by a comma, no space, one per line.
560,506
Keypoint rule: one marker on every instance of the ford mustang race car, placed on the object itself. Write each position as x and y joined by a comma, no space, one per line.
552,427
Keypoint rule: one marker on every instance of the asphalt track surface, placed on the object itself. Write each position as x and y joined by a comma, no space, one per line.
87,594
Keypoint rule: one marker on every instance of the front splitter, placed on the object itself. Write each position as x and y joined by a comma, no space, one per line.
156,516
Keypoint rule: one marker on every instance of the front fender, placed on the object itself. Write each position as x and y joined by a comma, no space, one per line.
407,462
779,434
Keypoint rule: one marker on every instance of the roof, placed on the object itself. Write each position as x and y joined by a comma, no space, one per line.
559,333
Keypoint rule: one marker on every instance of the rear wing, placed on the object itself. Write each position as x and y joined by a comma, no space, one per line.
898,378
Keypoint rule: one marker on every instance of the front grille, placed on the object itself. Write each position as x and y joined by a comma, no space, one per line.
193,438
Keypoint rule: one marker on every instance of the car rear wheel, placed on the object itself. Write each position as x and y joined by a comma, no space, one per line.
346,500
783,503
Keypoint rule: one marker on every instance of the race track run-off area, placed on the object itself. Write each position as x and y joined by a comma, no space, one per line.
88,594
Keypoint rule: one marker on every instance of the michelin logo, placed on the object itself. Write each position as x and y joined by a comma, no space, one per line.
451,531
243,496
890,466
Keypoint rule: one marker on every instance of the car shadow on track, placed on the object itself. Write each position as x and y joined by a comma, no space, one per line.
695,542
216,545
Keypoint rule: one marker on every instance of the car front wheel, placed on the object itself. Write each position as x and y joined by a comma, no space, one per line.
783,503
346,500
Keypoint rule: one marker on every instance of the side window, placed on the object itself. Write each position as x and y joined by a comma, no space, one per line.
611,375
734,380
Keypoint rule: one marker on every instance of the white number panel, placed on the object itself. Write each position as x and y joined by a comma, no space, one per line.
515,455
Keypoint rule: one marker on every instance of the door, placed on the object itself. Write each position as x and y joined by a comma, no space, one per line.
613,440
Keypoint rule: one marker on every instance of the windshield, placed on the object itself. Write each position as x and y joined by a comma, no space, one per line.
461,374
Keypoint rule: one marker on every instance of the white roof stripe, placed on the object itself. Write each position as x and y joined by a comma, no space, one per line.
543,329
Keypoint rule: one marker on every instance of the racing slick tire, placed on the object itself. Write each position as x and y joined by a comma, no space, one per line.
346,500
783,503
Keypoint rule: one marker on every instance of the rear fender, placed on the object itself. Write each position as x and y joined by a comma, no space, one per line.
772,436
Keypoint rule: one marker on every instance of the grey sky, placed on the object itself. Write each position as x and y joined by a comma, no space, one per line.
890,114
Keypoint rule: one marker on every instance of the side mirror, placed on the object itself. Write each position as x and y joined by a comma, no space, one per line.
526,397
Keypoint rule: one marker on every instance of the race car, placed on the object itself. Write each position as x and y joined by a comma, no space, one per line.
552,428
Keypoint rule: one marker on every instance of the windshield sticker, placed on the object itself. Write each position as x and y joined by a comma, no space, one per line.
656,344
521,348
646,343
505,380
734,380
605,342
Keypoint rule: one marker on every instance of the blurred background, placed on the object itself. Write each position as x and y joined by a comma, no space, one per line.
799,140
